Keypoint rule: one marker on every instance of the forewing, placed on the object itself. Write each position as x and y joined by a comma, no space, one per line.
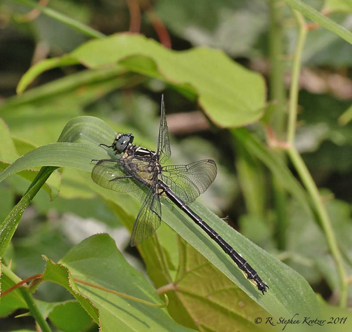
110,174
189,181
164,151
148,219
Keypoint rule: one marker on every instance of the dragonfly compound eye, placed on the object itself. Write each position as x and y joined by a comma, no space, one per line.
122,141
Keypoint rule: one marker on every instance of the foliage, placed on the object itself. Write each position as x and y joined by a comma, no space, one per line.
50,138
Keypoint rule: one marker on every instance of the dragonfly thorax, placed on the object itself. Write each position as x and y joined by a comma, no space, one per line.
121,142
141,163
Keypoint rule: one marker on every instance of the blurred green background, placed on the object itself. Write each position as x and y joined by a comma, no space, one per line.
243,193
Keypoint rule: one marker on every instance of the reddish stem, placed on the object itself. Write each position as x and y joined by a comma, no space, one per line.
19,284
158,25
135,16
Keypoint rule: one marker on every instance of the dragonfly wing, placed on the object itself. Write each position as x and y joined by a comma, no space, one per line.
148,219
189,181
164,151
110,174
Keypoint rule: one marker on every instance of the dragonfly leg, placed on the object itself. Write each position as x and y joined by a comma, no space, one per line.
121,177
104,160
107,146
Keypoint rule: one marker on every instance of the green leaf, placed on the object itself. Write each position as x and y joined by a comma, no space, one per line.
61,87
8,151
346,117
9,225
324,21
41,67
308,252
229,94
79,156
11,301
38,116
275,164
201,288
97,260
252,179
43,156
284,283
59,274
69,316
321,45
7,199
338,6
64,19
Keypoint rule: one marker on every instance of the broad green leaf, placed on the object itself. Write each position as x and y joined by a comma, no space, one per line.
284,283
87,129
74,185
11,301
97,260
8,151
339,319
157,253
319,18
38,117
69,316
8,154
23,146
43,156
50,239
7,200
41,67
92,131
229,94
201,288
51,91
61,275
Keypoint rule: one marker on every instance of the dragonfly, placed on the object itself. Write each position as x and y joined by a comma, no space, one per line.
133,167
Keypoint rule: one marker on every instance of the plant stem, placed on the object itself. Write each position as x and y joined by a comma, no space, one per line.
32,306
300,166
84,29
276,78
278,95
313,191
319,18
296,68
10,223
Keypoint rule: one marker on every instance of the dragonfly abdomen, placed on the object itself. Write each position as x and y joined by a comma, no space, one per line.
243,265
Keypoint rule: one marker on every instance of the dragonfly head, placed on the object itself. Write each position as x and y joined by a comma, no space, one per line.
122,141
